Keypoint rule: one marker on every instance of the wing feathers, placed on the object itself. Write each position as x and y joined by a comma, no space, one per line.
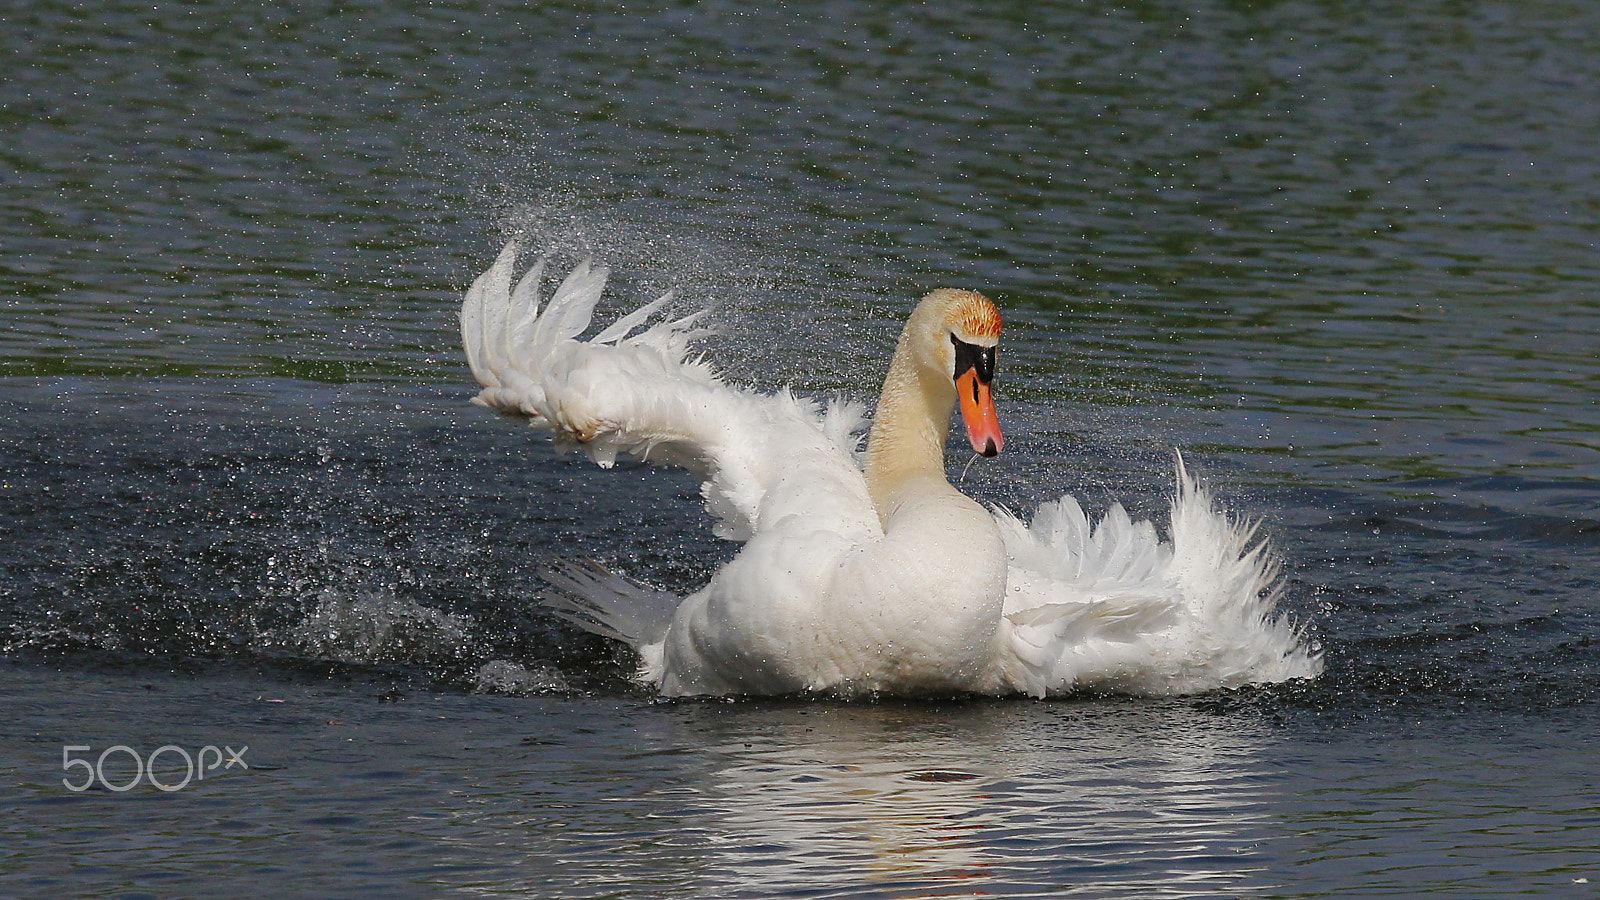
624,326
639,392
1110,605
482,317
524,308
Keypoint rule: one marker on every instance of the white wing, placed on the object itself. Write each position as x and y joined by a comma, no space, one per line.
1111,606
767,462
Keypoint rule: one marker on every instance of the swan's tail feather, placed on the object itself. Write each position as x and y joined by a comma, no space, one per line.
605,603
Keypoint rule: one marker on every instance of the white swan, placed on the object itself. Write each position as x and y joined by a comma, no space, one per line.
880,578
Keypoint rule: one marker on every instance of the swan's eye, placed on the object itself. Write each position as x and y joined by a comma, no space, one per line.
971,356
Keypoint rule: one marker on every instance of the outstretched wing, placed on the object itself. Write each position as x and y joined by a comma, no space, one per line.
635,389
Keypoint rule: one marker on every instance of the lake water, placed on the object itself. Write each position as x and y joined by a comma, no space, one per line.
1345,259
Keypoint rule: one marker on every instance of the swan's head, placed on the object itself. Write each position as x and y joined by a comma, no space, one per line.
969,329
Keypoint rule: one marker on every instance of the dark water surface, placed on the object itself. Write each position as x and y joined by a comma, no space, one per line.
1344,259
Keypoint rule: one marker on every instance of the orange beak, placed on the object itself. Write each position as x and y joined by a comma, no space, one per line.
977,411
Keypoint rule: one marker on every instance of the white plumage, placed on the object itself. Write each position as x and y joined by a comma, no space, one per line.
872,576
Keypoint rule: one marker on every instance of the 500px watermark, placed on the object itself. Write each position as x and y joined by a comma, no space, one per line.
206,759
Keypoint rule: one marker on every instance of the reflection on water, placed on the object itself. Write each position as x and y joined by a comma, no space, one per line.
865,789
353,786
963,801
888,800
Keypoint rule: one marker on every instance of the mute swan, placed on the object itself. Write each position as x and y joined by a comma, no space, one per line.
878,577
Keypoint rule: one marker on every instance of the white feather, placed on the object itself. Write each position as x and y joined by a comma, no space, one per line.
825,595
1112,606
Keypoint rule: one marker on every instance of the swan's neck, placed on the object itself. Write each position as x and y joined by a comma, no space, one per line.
905,449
